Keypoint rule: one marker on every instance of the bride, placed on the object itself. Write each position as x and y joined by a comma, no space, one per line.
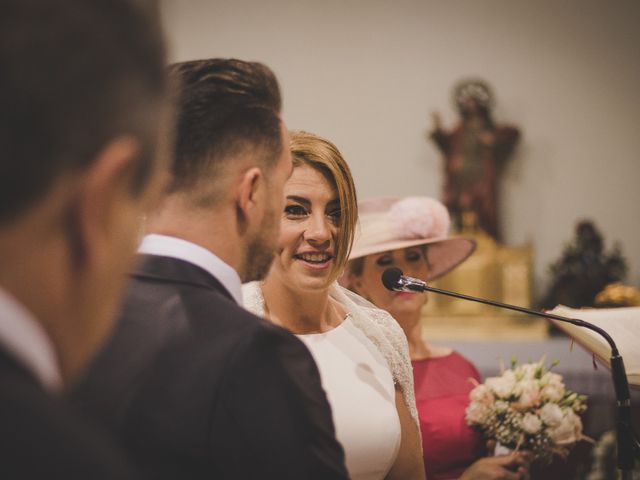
360,350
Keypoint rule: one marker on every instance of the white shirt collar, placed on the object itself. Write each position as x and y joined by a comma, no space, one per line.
173,247
25,339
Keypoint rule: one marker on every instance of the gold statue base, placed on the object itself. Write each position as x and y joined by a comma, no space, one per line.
517,327
495,272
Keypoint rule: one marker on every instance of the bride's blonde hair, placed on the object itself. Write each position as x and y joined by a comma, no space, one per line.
322,155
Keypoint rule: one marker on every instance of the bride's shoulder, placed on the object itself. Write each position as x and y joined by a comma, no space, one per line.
381,318
389,324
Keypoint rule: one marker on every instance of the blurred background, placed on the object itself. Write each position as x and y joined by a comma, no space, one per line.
368,73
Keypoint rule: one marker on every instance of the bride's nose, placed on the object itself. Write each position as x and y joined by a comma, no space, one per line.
318,230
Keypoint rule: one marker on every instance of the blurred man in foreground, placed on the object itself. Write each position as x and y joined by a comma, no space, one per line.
82,88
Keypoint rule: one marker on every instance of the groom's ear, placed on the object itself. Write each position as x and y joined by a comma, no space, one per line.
250,197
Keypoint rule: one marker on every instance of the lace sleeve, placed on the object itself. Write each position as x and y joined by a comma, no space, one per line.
252,298
383,330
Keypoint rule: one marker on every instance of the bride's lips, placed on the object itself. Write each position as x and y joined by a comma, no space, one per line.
314,260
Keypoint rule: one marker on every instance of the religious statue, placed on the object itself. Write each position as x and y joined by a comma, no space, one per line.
475,152
584,269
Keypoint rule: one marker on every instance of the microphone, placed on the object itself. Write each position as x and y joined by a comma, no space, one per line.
628,445
393,279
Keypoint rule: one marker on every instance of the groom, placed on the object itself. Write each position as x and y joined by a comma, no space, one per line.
192,383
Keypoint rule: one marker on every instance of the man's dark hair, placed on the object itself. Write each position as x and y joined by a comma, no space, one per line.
75,75
226,107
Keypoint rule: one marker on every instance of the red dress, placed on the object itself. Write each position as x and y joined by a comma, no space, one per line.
442,394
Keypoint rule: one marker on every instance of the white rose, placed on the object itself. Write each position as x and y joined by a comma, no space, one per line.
531,423
551,414
528,394
481,394
529,370
569,431
551,378
501,386
552,392
477,413
552,387
501,406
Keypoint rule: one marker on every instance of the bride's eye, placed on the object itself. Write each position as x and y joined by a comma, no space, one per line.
335,215
295,211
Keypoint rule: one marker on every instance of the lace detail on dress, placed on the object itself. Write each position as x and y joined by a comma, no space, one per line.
378,325
252,298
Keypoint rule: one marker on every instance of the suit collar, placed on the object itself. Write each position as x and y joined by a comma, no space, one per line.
22,336
181,249
174,270
9,363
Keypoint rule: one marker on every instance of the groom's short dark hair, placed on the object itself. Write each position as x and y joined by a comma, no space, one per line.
226,107
75,75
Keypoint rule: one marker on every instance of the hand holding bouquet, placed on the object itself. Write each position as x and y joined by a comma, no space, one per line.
528,407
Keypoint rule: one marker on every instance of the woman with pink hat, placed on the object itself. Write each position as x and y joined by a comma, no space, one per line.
412,234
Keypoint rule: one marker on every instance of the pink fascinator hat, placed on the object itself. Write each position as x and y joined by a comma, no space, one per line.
391,223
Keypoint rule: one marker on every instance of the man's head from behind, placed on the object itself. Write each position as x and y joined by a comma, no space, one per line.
232,155
82,89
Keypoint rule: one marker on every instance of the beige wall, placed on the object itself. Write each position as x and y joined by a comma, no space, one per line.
367,73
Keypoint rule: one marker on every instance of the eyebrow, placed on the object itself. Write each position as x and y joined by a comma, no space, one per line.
306,201
298,199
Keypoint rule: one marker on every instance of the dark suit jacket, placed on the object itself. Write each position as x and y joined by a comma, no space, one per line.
197,387
43,438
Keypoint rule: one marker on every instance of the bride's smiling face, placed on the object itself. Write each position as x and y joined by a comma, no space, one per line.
308,232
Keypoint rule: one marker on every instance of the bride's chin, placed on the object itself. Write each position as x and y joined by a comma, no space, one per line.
313,282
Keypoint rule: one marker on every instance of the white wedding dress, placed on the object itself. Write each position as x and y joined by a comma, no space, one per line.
359,362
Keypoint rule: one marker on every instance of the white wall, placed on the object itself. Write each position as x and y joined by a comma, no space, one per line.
366,74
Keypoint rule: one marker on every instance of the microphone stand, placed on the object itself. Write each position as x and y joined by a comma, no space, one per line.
628,444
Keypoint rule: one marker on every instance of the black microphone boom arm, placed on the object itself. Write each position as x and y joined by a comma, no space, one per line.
628,445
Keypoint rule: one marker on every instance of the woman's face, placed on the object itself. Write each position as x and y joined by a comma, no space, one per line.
308,231
411,261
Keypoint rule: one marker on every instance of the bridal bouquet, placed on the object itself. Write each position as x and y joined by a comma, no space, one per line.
528,407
